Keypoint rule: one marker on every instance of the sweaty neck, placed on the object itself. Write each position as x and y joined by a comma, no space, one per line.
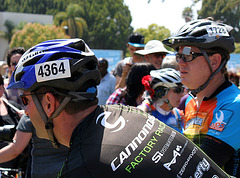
216,81
64,124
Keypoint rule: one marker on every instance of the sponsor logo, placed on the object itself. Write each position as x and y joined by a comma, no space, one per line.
202,167
159,154
194,121
176,153
147,149
134,144
218,124
194,151
33,54
118,125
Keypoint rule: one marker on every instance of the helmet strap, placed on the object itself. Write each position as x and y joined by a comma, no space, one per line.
166,100
168,103
196,91
49,121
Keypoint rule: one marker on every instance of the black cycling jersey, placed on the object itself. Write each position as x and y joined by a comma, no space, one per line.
123,141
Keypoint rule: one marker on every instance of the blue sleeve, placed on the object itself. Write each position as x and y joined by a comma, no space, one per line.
226,120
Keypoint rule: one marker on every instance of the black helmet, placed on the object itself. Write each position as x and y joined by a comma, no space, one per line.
205,34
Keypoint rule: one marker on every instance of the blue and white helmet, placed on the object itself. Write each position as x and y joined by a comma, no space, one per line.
167,77
65,64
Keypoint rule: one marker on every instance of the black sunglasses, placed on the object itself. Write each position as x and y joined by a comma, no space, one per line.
13,63
189,57
24,98
178,90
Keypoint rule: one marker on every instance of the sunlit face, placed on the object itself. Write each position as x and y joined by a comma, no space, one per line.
155,59
35,117
132,49
13,62
194,73
174,98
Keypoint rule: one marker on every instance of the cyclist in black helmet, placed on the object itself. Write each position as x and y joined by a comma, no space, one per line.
59,80
212,109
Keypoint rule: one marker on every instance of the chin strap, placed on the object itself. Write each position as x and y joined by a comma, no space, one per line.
166,100
169,105
196,91
49,121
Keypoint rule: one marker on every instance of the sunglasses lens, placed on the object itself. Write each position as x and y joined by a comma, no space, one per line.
24,100
14,64
178,90
180,56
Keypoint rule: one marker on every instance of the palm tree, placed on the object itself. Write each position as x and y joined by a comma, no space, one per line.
71,20
8,34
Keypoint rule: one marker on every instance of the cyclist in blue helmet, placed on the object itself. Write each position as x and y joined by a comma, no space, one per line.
59,80
165,91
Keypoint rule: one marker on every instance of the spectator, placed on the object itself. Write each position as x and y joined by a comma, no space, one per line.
104,140
8,116
132,94
135,42
107,84
154,52
233,78
13,57
165,91
170,62
45,161
211,113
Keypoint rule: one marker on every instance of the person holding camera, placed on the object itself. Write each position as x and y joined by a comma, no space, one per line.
8,116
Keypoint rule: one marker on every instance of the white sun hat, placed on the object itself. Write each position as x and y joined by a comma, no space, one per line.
153,46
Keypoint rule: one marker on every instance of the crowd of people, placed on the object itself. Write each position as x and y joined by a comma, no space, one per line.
158,113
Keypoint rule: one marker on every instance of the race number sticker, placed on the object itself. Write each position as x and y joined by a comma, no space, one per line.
216,30
52,70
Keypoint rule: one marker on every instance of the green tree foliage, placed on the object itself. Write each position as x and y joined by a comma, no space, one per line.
9,26
187,14
72,21
108,20
155,32
34,6
223,10
108,23
237,50
35,33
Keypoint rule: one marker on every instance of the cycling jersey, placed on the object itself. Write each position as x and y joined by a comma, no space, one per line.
171,118
123,141
217,117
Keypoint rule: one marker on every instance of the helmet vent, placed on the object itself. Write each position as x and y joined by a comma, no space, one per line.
91,65
80,45
19,75
199,33
32,61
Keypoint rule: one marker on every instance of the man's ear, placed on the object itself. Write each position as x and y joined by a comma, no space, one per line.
215,61
49,103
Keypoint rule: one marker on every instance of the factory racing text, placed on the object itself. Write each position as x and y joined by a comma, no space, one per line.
134,144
